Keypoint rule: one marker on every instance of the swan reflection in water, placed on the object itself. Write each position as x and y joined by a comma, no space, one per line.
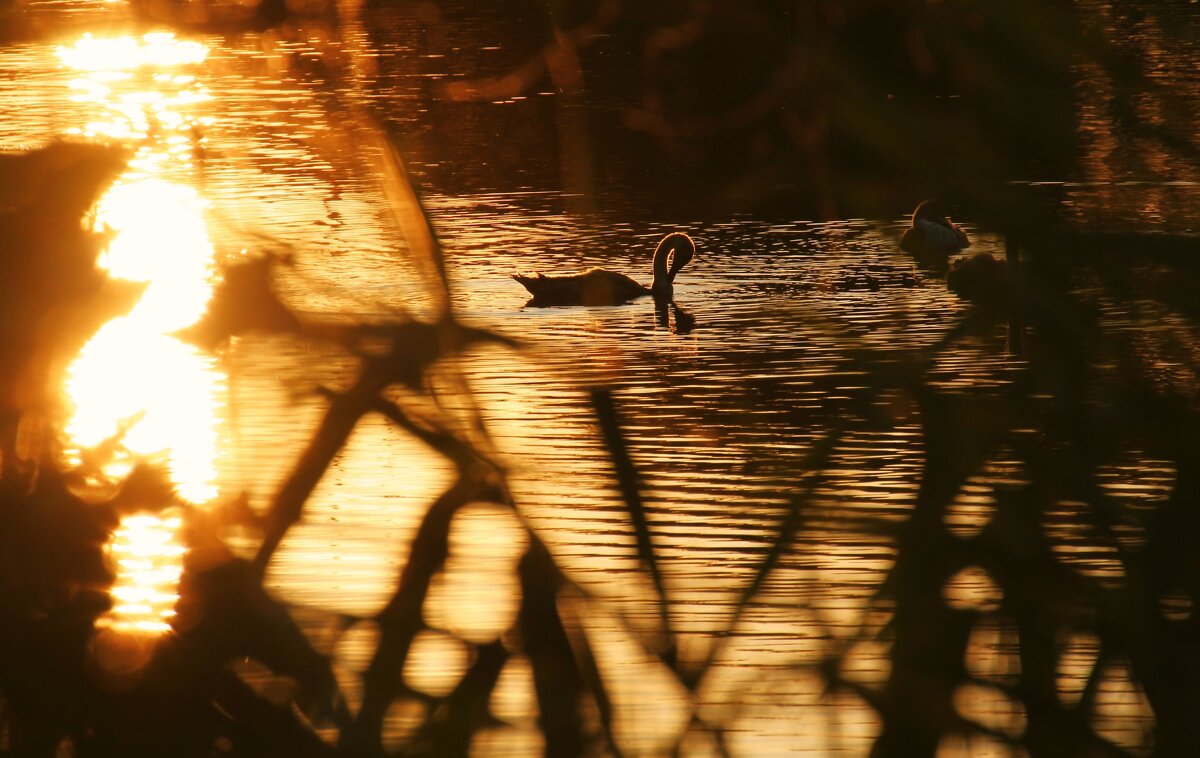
684,321
600,286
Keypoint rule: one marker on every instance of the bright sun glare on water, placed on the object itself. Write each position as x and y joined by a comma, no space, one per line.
138,91
133,375
134,382
148,559
160,49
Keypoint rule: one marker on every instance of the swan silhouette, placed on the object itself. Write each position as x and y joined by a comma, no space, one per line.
932,232
599,286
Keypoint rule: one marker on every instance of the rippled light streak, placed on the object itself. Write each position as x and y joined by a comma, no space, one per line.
134,384
149,562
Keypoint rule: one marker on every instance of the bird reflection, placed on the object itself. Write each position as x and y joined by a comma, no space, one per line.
599,286
684,321
981,279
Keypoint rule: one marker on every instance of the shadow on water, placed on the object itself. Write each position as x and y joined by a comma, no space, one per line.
1027,599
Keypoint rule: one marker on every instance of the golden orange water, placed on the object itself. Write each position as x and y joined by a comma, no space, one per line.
134,383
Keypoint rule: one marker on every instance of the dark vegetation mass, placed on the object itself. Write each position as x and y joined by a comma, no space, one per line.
824,107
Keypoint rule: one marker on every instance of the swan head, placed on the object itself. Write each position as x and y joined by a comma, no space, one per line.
674,252
932,211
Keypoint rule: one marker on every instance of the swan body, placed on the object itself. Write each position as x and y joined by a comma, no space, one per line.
600,286
932,232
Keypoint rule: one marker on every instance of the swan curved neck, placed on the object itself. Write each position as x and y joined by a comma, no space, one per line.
678,248
661,254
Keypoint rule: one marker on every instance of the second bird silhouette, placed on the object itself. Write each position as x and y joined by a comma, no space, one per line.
932,232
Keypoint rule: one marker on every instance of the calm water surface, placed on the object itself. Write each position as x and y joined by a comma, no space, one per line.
721,403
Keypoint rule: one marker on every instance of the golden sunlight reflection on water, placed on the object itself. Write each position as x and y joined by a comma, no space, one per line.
157,394
133,379
134,384
149,562
132,83
93,53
